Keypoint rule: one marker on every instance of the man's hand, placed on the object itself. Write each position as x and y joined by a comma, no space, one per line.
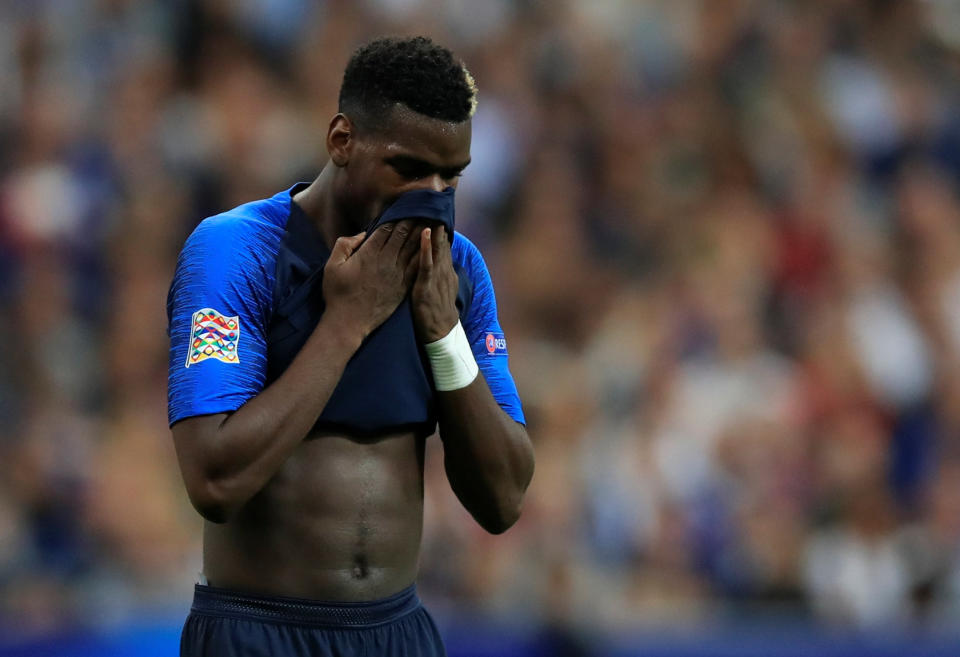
434,294
365,281
227,458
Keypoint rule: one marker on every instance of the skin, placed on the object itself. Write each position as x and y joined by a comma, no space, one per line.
330,516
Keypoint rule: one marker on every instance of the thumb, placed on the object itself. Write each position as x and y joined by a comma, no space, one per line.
344,247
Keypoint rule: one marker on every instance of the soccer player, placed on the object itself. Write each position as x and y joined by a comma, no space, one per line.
314,345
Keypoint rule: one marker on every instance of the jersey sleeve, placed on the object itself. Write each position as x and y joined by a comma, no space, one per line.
218,309
487,341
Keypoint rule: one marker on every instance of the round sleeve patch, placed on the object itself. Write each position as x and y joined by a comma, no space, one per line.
496,344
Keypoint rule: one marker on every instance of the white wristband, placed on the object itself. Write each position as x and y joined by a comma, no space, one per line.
452,361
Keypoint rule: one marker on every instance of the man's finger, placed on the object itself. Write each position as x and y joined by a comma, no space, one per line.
401,233
345,246
441,247
408,250
411,271
426,252
380,236
438,241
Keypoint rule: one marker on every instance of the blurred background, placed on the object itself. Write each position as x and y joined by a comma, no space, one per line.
725,237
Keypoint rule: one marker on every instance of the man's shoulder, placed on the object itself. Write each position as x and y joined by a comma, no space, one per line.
241,242
475,281
466,255
254,229
263,218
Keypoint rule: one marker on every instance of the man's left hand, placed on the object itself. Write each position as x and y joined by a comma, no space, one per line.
434,294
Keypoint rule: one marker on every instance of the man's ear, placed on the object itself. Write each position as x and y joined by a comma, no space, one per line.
340,136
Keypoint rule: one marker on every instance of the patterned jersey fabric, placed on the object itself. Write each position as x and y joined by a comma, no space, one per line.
247,294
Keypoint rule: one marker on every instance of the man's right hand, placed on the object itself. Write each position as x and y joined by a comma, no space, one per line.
365,281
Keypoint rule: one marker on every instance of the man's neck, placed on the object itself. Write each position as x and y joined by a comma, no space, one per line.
317,202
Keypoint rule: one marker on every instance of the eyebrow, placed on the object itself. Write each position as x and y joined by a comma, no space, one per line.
416,163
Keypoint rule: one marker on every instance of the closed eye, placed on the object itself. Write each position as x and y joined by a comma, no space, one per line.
413,168
450,174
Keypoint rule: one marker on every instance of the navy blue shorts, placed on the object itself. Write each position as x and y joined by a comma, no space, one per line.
228,624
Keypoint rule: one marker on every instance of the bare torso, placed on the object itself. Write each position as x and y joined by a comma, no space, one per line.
341,520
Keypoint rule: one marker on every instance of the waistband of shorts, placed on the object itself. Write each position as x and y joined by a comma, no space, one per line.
212,601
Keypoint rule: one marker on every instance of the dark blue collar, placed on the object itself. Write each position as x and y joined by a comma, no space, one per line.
420,204
308,244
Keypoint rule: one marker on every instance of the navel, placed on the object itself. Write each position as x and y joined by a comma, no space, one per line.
361,568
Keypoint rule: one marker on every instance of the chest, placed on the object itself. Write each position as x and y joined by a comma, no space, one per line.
386,386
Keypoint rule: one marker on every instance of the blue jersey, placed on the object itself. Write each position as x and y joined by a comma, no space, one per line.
247,294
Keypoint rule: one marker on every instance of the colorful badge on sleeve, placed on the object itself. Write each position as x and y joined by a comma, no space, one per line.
496,344
213,335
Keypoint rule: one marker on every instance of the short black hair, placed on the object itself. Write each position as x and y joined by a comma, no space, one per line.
415,72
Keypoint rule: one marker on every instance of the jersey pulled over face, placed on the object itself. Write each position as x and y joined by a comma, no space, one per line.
408,151
247,294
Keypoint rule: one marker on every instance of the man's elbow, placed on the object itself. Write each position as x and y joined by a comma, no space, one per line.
506,512
212,502
501,519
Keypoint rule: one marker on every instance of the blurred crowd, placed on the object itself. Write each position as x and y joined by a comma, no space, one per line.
725,238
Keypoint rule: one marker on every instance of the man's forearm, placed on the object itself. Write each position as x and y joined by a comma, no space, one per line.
246,449
487,455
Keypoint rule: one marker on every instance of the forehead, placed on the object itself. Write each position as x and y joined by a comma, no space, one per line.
415,135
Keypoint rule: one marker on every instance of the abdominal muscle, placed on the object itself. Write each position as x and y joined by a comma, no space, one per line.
340,521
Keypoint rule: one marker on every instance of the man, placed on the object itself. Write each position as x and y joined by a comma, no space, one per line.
305,379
